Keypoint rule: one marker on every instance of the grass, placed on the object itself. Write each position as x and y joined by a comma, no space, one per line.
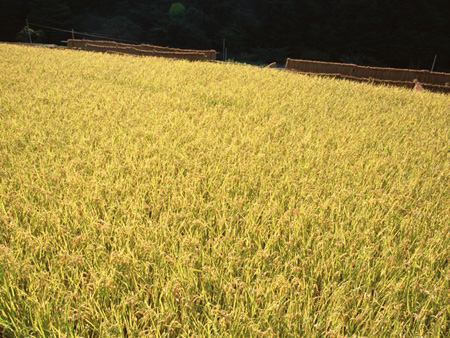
152,197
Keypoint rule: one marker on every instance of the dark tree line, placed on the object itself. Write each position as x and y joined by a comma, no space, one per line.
391,33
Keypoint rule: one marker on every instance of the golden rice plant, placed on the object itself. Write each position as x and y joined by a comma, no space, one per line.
147,197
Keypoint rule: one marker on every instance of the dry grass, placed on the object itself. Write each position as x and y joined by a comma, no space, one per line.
151,197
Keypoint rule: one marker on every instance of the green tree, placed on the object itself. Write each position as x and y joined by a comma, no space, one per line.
25,34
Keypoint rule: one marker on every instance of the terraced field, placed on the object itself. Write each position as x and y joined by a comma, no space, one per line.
151,197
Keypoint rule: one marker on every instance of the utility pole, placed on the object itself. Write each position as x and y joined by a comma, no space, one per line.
434,62
29,32
223,51
73,34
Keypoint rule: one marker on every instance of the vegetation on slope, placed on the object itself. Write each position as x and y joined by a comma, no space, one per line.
145,196
370,33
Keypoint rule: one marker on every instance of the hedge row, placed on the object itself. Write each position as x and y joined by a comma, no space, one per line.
143,49
431,79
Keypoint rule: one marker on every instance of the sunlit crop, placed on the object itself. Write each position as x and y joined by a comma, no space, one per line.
161,198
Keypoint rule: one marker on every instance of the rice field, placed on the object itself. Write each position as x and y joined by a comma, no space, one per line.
147,197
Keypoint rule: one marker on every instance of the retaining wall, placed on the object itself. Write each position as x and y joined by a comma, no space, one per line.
135,51
375,73
189,54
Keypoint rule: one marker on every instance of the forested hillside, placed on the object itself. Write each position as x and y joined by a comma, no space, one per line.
378,33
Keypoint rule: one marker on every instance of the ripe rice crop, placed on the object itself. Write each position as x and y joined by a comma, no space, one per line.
162,198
